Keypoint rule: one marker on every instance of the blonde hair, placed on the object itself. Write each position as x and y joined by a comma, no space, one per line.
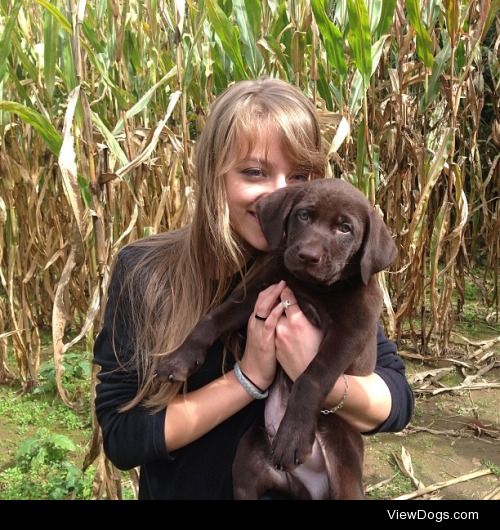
179,276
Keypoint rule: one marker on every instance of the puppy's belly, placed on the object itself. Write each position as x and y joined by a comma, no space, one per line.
312,473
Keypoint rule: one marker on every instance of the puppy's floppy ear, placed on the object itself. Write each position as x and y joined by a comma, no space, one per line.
379,250
273,211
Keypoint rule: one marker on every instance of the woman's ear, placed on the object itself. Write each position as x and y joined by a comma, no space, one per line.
273,211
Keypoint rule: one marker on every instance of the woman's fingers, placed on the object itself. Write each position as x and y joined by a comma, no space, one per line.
289,302
266,300
273,318
259,360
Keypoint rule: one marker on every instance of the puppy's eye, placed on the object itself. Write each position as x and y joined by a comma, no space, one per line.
345,228
303,215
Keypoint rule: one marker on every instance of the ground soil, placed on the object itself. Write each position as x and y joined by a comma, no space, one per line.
473,416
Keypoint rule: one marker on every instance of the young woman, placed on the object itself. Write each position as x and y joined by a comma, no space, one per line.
259,136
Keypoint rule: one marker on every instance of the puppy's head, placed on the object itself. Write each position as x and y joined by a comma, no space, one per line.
327,231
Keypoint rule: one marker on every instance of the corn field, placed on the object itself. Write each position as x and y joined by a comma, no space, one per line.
101,103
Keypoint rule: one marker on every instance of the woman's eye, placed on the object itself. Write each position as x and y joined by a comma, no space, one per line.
345,228
303,215
253,172
299,178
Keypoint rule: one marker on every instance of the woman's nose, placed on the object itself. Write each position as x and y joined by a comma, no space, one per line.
273,184
279,181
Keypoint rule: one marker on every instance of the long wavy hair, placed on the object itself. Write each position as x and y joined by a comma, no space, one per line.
180,275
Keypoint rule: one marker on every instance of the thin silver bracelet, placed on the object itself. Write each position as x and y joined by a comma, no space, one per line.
255,392
341,403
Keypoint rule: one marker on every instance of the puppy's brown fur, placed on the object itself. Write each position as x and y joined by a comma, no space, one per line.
326,241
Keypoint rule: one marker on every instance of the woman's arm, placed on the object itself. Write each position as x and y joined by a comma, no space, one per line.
134,437
367,404
137,436
380,402
192,415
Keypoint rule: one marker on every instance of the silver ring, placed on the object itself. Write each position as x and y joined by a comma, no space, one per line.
286,304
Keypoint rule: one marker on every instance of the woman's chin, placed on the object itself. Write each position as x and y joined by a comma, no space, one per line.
259,243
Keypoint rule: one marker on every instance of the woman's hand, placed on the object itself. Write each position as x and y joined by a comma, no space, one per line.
259,359
297,340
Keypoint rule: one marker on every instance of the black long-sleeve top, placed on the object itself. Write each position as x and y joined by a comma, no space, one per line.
201,469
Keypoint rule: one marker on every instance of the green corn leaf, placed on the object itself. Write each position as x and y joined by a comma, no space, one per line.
91,34
28,65
374,11
435,169
37,121
358,86
67,65
247,34
52,9
113,145
49,53
227,35
272,46
386,18
144,101
254,14
452,13
434,86
22,93
6,40
424,42
331,37
491,16
85,190
323,87
359,37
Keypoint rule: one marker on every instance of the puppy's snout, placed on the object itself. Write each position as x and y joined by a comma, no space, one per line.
309,256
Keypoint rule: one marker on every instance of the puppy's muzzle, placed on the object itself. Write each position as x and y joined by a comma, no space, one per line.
310,256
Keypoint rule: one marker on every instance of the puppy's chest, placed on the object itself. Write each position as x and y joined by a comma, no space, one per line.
323,307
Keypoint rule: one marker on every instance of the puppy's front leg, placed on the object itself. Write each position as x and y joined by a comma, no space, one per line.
228,317
295,436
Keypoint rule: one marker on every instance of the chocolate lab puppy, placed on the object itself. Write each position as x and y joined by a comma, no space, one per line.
326,241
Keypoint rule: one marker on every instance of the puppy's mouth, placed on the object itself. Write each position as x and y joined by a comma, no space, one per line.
320,274
310,275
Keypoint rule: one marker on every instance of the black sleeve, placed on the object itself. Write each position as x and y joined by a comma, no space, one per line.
391,369
137,436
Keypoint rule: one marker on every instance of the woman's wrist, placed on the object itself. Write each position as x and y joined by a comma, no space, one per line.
337,398
250,387
367,404
254,376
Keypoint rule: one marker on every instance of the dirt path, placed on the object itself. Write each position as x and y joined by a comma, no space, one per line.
475,416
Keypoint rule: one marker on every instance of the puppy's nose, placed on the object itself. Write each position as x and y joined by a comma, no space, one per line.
310,256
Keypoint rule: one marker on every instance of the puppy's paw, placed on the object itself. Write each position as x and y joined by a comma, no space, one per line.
291,446
181,363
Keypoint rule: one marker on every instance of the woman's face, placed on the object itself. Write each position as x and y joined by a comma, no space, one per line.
252,176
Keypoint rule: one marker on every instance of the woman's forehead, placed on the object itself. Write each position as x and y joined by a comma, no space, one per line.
259,142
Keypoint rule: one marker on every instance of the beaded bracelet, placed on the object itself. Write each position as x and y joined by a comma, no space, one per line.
341,403
247,384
